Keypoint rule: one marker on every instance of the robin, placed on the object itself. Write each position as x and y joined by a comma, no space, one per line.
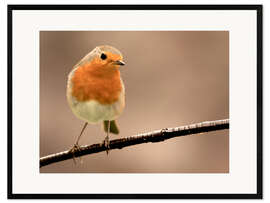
95,90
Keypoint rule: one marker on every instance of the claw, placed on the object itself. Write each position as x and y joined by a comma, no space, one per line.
73,150
107,144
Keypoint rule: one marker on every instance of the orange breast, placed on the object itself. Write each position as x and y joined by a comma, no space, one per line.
95,82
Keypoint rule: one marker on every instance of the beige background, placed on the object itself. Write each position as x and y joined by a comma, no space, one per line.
172,78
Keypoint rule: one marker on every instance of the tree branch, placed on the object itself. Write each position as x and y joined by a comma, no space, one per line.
155,136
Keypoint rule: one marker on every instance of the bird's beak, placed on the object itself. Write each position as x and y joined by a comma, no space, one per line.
119,62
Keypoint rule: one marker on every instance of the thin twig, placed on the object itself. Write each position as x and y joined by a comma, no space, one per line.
155,136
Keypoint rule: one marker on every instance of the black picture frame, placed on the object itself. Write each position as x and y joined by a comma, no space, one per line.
257,8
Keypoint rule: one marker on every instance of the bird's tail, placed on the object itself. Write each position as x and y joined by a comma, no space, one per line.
113,127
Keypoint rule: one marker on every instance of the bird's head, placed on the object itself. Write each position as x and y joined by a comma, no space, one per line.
104,57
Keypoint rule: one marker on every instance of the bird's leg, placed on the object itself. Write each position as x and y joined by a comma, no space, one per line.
107,141
78,138
76,145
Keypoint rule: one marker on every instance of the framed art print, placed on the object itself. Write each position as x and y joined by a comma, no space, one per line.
135,101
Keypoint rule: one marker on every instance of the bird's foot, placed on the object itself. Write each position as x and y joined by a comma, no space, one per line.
107,144
75,149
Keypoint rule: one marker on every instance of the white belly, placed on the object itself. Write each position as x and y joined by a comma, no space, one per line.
92,111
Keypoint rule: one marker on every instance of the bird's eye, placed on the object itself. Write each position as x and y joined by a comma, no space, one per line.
103,56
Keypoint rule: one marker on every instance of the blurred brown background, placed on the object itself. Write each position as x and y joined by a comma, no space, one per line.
172,78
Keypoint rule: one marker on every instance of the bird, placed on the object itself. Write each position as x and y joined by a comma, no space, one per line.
96,92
